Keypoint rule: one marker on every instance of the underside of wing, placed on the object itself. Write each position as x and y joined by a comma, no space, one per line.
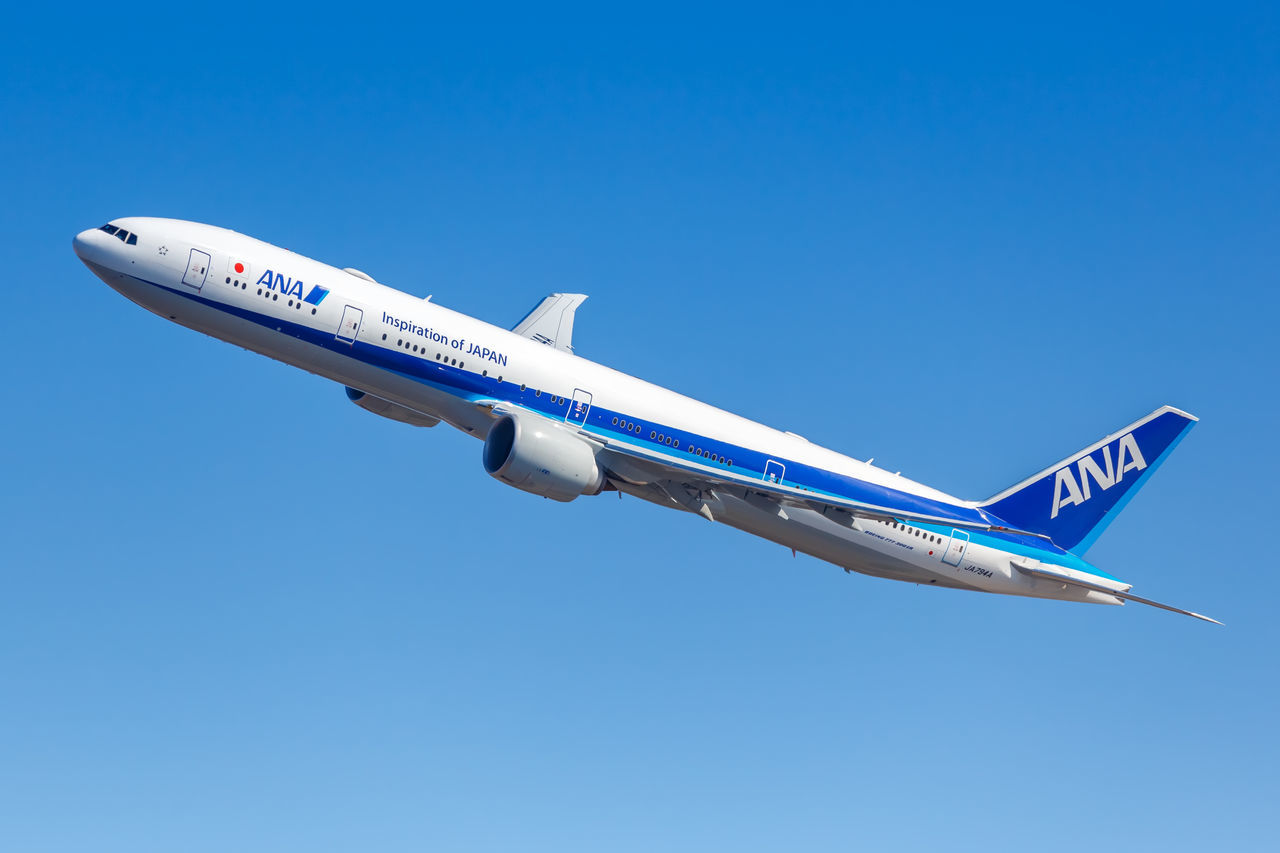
638,466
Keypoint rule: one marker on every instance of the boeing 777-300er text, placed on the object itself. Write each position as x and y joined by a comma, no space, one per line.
560,426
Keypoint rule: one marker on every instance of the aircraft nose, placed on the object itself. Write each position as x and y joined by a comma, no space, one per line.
88,245
96,248
80,243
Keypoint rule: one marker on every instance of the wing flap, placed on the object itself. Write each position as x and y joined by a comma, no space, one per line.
639,465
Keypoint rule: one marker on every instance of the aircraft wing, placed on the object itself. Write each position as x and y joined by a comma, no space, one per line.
684,482
863,500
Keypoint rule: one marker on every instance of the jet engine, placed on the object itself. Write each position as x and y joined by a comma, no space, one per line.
541,457
387,409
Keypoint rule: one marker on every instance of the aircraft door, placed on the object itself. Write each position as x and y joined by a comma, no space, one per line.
956,547
352,317
579,408
197,269
773,471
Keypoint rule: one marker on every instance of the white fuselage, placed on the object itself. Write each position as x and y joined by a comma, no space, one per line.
455,368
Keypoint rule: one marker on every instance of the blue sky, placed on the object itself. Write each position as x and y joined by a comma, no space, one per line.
239,613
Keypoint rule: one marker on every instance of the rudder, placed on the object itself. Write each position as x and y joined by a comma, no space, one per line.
1074,500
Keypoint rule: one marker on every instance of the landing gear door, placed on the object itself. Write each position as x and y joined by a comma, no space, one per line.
956,547
352,317
197,269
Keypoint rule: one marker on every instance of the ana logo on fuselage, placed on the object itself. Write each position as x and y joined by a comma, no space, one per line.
275,281
1068,491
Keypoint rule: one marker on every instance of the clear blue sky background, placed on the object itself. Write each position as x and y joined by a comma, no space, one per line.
238,613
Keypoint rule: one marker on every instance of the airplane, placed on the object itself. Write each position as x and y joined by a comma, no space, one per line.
560,426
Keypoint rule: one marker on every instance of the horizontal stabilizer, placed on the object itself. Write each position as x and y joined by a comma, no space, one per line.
551,320
1040,571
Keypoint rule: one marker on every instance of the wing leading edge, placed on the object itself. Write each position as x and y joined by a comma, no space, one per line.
865,500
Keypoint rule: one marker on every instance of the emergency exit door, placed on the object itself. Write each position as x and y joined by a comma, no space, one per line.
956,547
579,407
197,269
352,317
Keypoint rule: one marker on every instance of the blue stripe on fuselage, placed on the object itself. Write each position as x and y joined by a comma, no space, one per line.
1022,545
473,386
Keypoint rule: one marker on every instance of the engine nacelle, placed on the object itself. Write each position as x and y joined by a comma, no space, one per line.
386,409
540,457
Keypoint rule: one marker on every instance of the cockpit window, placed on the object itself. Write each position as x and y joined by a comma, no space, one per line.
125,236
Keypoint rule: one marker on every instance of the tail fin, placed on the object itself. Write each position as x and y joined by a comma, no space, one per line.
1073,501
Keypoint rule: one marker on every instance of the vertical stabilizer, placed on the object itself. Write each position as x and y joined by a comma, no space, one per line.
1073,501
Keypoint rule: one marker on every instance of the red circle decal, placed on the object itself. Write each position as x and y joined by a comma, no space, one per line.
239,267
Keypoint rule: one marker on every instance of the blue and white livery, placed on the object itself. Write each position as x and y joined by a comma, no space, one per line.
560,426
